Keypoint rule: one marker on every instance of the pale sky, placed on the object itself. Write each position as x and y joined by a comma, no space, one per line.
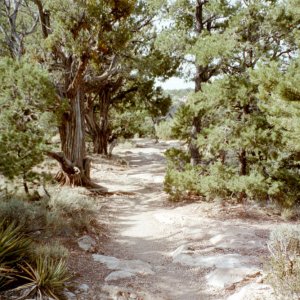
176,83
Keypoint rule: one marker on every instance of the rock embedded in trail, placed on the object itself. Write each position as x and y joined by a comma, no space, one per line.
182,255
223,277
116,275
123,268
83,288
254,291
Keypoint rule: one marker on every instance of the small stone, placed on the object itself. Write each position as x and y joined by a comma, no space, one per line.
133,296
84,288
86,243
70,296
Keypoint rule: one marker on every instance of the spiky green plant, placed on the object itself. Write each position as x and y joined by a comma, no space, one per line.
46,278
6,275
14,245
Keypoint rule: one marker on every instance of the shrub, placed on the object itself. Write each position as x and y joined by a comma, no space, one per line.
284,265
164,130
29,215
70,210
54,251
181,184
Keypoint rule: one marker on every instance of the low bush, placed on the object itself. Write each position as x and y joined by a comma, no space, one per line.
54,251
67,212
181,184
70,211
164,130
283,267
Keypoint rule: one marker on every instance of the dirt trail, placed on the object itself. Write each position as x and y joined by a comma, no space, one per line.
167,251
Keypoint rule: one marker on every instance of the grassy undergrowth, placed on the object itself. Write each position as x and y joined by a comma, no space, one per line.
283,267
31,266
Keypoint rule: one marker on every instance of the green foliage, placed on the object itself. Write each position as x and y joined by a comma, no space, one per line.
131,122
14,247
182,122
164,130
25,94
284,265
54,251
181,184
40,269
245,115
181,179
176,158
46,277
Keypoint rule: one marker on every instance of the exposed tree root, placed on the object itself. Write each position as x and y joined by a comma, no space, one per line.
71,175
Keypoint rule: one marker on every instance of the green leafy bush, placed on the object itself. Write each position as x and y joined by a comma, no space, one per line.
25,93
164,130
284,265
179,184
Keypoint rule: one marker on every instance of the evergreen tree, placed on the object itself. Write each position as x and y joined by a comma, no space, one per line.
238,142
26,94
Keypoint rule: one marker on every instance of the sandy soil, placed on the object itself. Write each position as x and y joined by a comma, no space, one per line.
141,224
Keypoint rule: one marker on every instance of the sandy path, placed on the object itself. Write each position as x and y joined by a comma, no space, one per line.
212,244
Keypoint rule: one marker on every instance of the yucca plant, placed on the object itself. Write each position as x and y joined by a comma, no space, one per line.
46,278
6,276
14,245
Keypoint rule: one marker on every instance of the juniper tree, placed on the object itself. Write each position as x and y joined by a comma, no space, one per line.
26,94
238,140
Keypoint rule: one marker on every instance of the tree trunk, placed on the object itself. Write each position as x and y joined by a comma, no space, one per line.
75,165
98,126
104,102
193,147
202,75
243,162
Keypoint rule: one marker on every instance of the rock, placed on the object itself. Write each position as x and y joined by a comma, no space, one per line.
86,243
223,277
233,241
136,266
218,261
111,262
84,288
131,266
254,291
69,296
133,296
184,249
119,275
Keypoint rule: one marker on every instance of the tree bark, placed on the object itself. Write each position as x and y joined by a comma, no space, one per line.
243,162
200,77
104,103
98,126
74,163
